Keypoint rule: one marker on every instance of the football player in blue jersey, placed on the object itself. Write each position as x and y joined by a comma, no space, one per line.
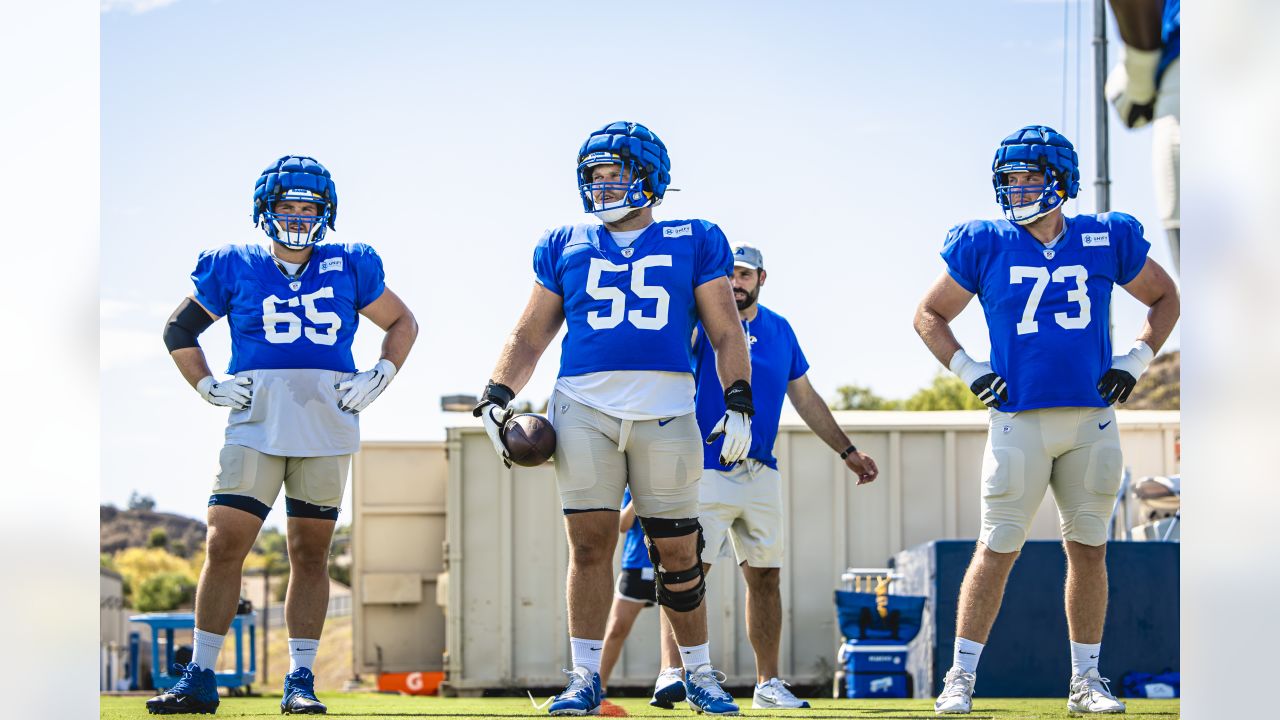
294,395
630,291
1045,281
743,503
1143,88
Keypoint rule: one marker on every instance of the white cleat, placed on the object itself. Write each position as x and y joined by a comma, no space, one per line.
956,697
1090,693
774,695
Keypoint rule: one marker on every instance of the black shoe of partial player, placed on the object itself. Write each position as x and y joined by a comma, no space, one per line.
300,694
195,692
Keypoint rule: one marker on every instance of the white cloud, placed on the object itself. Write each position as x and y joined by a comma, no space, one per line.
134,7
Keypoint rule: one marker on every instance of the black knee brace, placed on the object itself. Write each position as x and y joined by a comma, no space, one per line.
679,600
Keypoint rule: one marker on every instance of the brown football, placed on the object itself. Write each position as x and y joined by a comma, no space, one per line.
530,439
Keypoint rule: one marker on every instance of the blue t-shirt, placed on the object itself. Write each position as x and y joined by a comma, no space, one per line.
1048,311
279,323
1170,36
776,360
630,308
635,556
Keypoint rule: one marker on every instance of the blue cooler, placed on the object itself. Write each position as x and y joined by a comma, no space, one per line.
875,670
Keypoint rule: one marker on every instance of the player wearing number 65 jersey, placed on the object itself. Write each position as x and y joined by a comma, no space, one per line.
293,307
631,291
1045,284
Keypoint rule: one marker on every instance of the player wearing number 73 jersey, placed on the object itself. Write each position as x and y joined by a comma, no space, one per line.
293,307
1045,284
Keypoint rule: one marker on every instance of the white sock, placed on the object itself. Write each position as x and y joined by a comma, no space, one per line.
207,647
696,656
302,653
966,653
586,653
1084,657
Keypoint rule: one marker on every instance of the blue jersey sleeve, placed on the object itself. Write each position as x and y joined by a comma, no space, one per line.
370,278
545,256
1131,247
715,259
961,258
212,290
799,365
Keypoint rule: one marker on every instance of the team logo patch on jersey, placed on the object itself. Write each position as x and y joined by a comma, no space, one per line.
295,285
331,264
1095,239
628,252
677,231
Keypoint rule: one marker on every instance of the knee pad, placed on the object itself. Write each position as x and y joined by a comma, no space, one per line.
679,600
1004,538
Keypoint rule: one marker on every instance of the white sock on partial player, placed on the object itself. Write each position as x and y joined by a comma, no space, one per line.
696,656
1084,656
586,653
966,653
302,653
207,647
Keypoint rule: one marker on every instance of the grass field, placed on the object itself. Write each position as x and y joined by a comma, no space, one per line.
371,705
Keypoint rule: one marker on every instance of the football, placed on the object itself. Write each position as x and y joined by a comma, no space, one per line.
530,440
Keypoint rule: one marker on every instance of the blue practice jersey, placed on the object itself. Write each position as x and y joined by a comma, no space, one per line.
1170,36
279,323
1048,310
776,360
630,308
635,556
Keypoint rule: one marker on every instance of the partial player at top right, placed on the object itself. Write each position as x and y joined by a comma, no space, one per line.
1044,281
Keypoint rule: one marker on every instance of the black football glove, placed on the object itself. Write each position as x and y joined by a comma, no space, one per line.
991,389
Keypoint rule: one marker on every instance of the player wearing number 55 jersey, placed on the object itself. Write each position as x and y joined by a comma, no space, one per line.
294,395
1045,284
631,291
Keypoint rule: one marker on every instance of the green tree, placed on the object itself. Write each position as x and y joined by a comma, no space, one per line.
946,392
164,592
138,501
857,397
158,538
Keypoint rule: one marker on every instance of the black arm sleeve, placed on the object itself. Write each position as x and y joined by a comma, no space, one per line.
185,324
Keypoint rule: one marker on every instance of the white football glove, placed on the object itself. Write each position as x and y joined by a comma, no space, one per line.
234,393
1131,86
735,426
365,387
494,409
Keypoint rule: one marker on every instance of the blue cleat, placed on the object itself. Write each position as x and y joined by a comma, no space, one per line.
705,693
195,692
300,694
581,697
669,689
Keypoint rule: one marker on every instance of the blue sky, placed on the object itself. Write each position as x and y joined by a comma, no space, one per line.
842,138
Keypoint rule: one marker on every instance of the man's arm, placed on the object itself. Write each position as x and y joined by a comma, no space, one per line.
941,304
534,331
815,413
1139,22
626,518
1154,288
391,314
719,315
190,360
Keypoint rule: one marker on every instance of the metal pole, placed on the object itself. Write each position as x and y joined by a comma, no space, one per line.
1102,183
266,607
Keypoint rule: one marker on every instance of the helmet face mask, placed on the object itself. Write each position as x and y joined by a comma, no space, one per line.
1035,149
639,174
295,179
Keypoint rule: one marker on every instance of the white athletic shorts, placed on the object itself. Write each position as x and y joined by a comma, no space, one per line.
1075,451
745,504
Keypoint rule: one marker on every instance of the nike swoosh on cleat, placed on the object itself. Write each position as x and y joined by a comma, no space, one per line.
966,653
662,423
1093,657
1103,426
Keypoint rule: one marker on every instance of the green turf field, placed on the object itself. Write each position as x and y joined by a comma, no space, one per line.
369,705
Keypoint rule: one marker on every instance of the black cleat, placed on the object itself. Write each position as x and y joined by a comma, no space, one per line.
195,693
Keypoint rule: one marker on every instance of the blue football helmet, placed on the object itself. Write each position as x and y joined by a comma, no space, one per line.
1035,148
301,179
646,169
